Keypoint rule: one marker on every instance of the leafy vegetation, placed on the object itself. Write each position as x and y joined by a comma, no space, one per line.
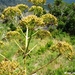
65,14
36,44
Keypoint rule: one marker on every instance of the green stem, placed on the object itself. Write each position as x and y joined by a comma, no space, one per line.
19,46
45,65
25,66
34,33
3,56
26,39
26,46
30,51
29,39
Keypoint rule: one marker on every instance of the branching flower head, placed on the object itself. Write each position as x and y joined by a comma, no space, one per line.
49,19
7,67
37,2
22,7
36,7
1,44
11,12
32,8
12,34
31,21
38,10
43,34
2,16
63,48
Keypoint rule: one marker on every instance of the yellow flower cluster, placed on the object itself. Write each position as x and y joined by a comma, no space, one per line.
38,2
63,48
1,44
49,19
43,34
8,67
31,21
39,22
12,34
36,9
22,7
2,16
11,11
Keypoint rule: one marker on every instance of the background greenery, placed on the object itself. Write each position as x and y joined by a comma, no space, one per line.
65,31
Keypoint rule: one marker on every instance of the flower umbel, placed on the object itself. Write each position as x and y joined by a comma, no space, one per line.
38,10
63,48
22,7
49,19
31,21
37,2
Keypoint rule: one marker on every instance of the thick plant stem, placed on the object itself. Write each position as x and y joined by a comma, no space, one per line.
26,39
25,66
30,51
26,44
29,39
45,65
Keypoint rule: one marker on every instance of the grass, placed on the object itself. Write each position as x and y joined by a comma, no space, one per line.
41,54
